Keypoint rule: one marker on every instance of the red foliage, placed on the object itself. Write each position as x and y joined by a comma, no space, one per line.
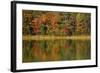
44,19
66,29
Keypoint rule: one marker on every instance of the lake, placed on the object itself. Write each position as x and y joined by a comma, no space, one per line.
55,50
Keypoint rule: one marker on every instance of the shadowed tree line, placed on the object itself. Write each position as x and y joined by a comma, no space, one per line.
56,23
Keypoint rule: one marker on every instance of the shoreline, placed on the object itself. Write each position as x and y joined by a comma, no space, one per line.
51,37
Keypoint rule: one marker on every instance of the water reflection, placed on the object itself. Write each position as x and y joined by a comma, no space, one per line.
56,50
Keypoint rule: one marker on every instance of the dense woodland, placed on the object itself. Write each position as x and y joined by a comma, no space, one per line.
56,23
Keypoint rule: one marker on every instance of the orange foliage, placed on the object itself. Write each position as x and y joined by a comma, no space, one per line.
48,18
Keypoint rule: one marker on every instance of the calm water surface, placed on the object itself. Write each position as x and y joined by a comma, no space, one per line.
55,50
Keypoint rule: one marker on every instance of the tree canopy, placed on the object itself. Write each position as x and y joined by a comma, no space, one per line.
56,23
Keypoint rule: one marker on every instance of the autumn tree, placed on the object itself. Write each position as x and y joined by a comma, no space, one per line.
27,16
56,23
83,23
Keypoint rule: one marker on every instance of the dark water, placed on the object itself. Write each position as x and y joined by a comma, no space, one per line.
55,50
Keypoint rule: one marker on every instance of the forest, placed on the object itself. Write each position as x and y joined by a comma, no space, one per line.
56,23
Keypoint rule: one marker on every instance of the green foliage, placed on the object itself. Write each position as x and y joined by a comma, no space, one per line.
83,23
